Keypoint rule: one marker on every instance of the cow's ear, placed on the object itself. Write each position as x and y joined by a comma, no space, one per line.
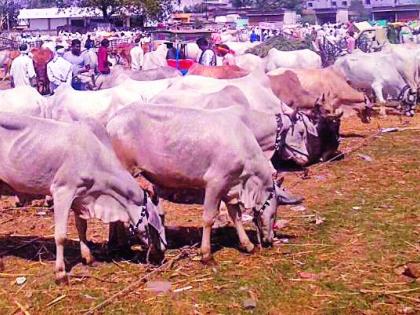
311,127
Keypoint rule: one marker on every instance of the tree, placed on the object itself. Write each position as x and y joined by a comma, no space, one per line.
359,10
40,3
196,8
9,11
152,9
242,3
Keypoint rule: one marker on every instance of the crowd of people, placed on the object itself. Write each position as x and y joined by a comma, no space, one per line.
78,57
72,64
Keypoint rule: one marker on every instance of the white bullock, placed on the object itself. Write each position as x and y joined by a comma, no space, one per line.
71,105
299,59
75,164
241,47
23,100
407,60
155,59
255,87
377,72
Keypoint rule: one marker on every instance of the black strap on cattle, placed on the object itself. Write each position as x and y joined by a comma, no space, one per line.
259,212
409,102
281,134
134,228
402,92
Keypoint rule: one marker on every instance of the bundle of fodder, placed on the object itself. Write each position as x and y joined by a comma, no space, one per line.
281,43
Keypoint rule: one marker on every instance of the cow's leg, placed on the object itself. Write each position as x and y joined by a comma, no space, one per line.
22,200
377,89
118,237
63,199
81,226
235,214
211,209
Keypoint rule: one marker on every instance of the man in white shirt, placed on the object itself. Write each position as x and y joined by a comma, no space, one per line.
208,56
145,41
137,55
22,71
59,70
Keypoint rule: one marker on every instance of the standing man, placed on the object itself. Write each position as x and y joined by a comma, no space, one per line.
79,61
208,56
90,43
22,71
103,63
253,36
146,43
80,65
351,42
59,70
137,55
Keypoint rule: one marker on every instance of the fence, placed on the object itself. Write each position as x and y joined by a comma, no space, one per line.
6,43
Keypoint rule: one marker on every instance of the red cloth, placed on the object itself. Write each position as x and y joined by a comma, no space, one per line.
103,66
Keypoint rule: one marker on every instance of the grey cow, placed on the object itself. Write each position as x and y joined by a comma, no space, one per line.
76,165
203,149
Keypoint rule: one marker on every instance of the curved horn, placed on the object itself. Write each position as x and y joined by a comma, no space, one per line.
367,101
337,116
279,182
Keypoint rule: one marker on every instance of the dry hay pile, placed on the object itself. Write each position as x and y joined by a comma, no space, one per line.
281,43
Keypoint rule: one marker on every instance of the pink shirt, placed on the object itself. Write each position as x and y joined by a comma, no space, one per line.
351,44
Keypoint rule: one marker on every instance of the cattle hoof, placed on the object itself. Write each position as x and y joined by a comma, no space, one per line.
88,260
207,259
248,248
61,278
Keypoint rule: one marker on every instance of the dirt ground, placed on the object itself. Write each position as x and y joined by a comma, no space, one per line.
353,248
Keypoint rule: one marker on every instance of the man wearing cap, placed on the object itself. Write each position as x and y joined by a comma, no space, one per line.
208,56
59,70
22,71
137,55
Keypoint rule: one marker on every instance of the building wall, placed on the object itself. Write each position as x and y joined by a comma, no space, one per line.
38,24
407,15
329,4
256,19
58,22
392,3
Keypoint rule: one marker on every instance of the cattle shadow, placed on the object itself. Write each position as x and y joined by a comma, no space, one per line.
35,248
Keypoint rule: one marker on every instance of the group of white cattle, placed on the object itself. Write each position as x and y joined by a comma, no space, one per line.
192,132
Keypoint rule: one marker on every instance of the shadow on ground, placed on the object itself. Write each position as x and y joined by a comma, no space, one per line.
43,248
